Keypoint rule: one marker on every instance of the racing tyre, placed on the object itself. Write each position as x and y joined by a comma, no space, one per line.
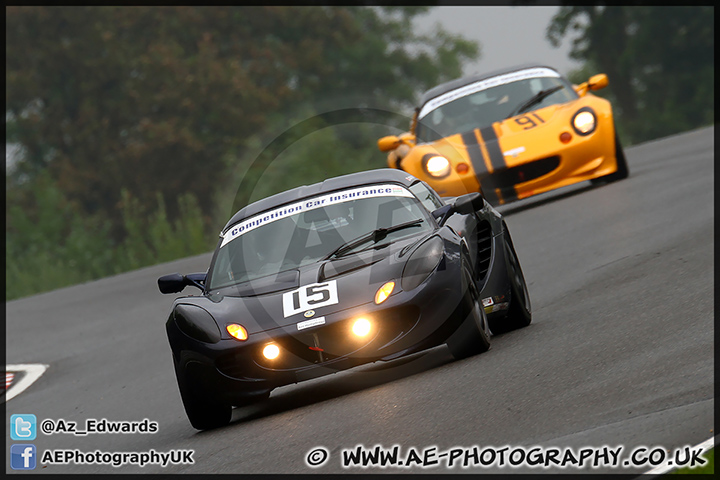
473,336
519,311
204,413
622,168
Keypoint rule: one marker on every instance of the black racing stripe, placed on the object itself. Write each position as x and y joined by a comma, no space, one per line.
476,156
491,189
491,196
504,187
509,194
497,159
478,162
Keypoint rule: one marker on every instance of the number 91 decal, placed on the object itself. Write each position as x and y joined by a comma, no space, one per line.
527,121
310,296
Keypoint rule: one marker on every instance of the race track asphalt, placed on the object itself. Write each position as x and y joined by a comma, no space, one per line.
620,351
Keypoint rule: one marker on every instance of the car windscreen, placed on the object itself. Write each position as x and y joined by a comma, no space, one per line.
480,108
310,230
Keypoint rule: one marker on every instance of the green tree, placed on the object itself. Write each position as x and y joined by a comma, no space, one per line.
659,60
150,99
133,120
50,245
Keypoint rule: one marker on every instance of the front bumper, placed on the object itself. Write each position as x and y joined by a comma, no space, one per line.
526,164
405,323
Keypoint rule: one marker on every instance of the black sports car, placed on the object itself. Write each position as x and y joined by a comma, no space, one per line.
358,268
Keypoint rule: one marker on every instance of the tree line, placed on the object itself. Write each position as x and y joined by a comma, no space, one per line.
659,60
137,125
129,116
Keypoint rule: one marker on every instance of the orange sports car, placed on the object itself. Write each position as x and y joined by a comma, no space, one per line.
510,134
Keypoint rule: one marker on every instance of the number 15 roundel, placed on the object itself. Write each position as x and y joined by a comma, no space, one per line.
310,296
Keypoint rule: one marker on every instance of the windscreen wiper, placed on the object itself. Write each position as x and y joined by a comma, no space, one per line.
374,236
537,98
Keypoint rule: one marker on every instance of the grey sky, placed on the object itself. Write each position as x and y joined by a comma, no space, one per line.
507,35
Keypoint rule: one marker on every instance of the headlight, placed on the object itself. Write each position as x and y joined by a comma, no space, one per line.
384,292
584,122
361,327
237,331
271,351
197,323
436,165
421,263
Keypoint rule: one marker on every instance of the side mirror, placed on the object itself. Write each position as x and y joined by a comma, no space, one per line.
598,81
469,203
391,142
173,283
464,205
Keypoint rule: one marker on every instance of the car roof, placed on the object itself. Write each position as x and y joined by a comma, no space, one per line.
460,82
331,184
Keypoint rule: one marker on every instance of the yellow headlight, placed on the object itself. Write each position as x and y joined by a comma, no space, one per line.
361,327
271,351
237,331
584,122
384,292
437,166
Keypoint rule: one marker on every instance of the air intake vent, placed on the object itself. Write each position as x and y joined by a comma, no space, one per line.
526,172
484,242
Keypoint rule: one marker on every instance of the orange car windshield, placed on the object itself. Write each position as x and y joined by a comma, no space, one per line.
483,108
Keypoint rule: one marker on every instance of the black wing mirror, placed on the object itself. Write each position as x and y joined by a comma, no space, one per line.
464,205
176,283
472,202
